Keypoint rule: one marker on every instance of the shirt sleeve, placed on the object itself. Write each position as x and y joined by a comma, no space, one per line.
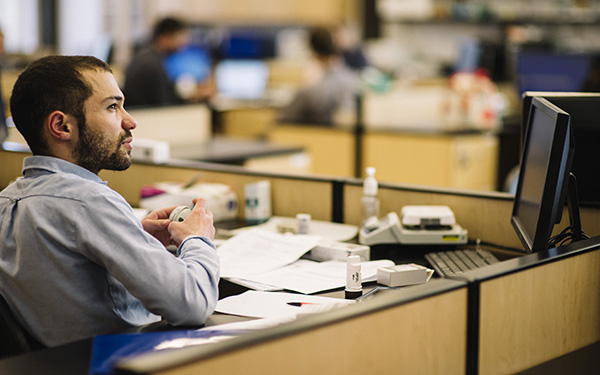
183,289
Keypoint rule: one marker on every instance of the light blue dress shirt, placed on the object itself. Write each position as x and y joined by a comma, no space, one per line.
75,261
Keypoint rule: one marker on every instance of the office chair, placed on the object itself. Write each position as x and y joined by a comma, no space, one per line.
13,338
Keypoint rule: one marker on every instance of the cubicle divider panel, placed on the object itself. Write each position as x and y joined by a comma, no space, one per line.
289,194
247,122
435,159
332,150
426,336
540,313
485,215
177,125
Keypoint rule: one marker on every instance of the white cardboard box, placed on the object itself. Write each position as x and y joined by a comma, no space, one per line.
403,274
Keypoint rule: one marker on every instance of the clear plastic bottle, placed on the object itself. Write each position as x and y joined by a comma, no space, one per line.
369,201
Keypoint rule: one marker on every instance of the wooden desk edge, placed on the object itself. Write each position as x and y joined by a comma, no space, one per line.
153,362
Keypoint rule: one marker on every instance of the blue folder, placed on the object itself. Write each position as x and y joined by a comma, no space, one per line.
108,349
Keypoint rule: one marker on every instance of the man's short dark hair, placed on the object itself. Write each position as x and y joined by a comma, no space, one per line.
52,83
167,26
321,42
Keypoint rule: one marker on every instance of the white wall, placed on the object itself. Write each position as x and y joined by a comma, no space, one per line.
80,26
19,23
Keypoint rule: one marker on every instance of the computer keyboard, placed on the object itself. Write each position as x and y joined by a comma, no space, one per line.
448,263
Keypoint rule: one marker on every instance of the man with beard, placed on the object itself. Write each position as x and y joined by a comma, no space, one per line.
74,260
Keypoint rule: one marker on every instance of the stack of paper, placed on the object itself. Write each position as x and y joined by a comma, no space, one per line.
264,260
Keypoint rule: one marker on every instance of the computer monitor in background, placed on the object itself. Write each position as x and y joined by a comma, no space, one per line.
539,70
249,44
242,79
544,177
192,60
584,109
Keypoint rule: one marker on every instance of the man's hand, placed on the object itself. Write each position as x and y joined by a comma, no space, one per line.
199,223
157,222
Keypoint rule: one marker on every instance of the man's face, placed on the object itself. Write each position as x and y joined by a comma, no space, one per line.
105,137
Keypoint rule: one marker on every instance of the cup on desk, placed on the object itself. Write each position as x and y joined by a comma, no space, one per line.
258,201
303,223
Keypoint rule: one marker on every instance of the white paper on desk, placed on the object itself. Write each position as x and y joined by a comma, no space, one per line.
250,325
307,276
255,285
259,250
274,304
324,229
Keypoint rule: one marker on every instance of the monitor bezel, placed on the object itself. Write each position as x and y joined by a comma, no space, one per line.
556,177
584,109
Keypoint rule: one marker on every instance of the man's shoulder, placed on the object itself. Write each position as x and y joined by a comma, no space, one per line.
71,186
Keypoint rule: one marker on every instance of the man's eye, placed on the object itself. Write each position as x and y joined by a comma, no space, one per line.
113,106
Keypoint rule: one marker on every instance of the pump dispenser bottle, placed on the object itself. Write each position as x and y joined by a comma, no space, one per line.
369,201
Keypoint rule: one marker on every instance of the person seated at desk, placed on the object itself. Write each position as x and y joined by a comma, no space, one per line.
146,80
350,49
76,262
334,93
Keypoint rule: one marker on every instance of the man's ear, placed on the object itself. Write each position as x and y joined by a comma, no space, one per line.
60,125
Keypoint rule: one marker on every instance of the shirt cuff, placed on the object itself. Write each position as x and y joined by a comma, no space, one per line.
206,240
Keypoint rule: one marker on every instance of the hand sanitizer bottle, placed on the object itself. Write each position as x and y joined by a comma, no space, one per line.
369,201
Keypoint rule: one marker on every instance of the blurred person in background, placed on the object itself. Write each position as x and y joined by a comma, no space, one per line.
333,93
146,80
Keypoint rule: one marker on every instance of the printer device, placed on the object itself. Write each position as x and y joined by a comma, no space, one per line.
418,225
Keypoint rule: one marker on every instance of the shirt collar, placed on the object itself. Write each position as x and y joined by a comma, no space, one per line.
57,165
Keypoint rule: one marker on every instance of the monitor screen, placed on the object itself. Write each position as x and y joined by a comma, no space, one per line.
551,71
253,43
242,79
193,60
584,109
543,177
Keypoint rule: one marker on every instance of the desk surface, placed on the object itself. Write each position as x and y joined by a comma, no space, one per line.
219,149
231,150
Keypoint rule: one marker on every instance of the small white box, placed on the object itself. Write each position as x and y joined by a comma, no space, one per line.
334,250
415,216
150,150
403,274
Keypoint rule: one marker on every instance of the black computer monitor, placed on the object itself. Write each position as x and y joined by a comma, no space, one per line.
584,109
249,43
544,175
538,70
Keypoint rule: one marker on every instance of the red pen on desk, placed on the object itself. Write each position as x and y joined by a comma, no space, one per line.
300,304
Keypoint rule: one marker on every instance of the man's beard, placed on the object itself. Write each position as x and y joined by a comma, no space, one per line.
96,152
